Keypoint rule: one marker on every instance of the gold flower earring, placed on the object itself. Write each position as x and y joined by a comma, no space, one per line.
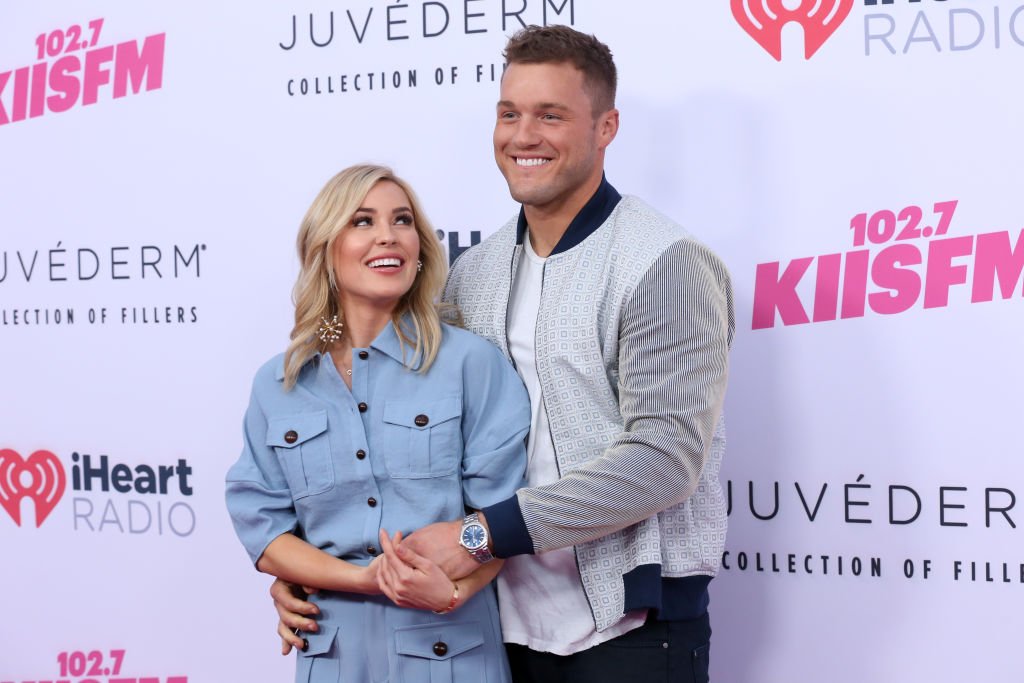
330,331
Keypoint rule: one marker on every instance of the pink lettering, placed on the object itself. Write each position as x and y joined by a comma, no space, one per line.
772,292
994,259
855,283
64,84
131,65
38,99
20,94
4,77
904,283
95,73
826,287
942,274
129,68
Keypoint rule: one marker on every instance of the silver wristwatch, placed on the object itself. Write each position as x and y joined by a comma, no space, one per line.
473,538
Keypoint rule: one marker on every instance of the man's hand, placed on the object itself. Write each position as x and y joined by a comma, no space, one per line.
410,580
290,605
439,543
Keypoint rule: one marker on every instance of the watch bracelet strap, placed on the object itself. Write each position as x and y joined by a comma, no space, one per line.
482,554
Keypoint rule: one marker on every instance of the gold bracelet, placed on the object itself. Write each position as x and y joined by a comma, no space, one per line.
451,604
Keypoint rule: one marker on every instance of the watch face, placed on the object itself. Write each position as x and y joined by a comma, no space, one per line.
473,536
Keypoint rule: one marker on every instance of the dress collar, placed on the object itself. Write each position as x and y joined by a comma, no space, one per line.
387,342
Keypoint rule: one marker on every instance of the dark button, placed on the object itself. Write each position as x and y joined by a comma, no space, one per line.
305,645
362,407
360,454
370,549
440,648
372,502
291,436
363,355
421,420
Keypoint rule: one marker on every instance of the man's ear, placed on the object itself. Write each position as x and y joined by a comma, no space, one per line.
607,126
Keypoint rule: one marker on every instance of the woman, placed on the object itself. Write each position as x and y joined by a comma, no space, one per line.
378,418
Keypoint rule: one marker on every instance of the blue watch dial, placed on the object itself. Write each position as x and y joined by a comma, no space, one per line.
473,536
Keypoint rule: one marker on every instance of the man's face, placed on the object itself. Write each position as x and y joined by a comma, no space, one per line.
547,141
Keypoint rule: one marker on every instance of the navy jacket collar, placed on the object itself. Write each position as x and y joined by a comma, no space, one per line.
593,214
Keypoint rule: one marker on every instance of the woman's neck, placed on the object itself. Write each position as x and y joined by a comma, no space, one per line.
362,325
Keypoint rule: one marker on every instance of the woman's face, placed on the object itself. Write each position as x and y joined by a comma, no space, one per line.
374,257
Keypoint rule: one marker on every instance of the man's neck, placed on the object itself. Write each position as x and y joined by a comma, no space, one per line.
547,225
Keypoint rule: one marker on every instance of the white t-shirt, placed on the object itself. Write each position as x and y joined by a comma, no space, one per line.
543,605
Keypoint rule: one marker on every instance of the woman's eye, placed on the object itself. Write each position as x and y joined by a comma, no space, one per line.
362,221
404,219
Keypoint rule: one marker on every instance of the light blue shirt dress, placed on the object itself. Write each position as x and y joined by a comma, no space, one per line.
399,451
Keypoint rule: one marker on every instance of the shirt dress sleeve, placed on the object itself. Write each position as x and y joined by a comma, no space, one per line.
258,497
495,422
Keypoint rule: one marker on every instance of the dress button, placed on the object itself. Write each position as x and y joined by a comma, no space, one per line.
372,502
370,549
291,436
440,648
363,355
360,454
421,420
362,407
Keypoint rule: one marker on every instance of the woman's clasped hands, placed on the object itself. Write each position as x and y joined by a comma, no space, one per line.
411,580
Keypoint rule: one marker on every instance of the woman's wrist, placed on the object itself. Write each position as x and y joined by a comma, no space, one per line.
359,578
453,601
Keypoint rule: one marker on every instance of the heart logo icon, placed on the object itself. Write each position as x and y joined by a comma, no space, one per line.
40,477
764,19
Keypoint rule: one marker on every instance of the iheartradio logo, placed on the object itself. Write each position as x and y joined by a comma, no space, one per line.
39,477
764,20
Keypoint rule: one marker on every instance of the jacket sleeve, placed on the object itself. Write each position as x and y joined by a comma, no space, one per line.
674,338
495,422
258,497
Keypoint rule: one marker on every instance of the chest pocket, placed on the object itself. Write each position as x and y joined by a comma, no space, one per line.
304,450
423,438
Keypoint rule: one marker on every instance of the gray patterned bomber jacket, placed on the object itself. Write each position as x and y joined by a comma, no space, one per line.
633,334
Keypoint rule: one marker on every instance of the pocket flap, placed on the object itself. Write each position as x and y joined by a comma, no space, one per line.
288,431
438,641
319,642
420,414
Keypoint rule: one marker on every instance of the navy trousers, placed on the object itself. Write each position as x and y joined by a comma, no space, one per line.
657,652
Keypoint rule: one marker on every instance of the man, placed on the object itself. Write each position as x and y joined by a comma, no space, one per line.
620,325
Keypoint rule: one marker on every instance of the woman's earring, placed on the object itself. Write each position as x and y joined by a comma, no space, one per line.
330,331
419,266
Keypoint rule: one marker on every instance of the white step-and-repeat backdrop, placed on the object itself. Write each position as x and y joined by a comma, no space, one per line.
856,163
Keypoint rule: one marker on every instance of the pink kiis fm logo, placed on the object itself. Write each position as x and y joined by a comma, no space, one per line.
908,258
73,68
40,477
765,19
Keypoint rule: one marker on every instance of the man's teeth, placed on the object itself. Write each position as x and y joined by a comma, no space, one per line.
531,162
381,262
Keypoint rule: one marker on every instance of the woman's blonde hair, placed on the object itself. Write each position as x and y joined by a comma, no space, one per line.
315,292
